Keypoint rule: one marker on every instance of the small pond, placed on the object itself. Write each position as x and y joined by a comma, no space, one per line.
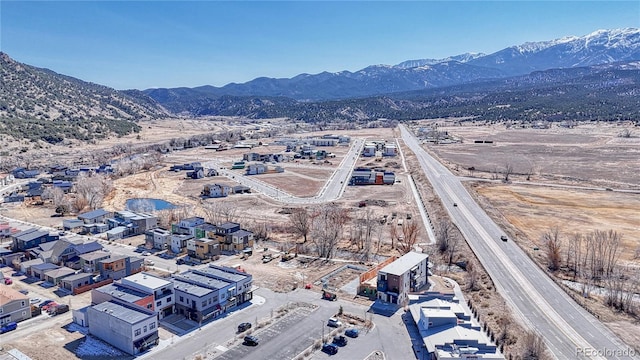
146,205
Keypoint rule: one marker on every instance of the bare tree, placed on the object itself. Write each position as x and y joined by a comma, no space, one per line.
508,170
93,188
300,220
218,212
443,235
574,254
553,245
410,232
327,226
473,278
533,346
626,133
451,249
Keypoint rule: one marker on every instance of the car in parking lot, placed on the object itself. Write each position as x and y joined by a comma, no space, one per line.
50,305
8,327
352,332
34,300
244,327
330,349
251,340
340,340
46,302
334,322
24,291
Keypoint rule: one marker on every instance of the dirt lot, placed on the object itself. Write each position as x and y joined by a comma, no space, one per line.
589,153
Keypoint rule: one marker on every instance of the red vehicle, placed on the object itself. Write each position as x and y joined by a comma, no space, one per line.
49,306
329,296
8,281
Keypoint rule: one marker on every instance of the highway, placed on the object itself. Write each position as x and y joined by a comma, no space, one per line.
569,331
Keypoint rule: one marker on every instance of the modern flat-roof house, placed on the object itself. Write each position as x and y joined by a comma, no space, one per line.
208,292
161,289
158,238
203,248
117,292
449,331
136,223
72,224
406,274
95,216
128,328
14,306
90,262
179,242
118,266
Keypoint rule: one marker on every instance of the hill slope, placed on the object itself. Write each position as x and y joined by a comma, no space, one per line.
39,104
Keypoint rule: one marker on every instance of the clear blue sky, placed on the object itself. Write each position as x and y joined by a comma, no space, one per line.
125,44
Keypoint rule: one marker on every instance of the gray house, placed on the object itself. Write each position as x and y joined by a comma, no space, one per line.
14,306
129,328
95,216
73,282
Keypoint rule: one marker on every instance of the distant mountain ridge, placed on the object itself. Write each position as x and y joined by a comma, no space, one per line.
602,46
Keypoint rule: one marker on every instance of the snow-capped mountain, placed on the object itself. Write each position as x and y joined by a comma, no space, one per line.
599,47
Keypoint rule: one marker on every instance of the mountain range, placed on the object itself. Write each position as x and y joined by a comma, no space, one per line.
596,76
602,46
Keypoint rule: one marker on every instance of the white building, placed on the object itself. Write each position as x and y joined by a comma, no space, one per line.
390,150
158,238
162,291
406,274
450,333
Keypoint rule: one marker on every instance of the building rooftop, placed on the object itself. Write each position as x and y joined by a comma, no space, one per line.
404,263
77,277
93,214
202,280
125,313
192,289
228,225
228,274
28,263
87,247
122,292
58,273
45,267
147,280
30,234
113,258
7,295
94,255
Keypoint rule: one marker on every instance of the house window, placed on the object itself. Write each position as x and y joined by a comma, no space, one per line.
149,306
144,329
158,303
23,303
24,313
181,299
152,326
168,300
137,333
204,303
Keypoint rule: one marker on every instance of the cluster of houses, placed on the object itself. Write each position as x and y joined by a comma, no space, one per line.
379,148
368,176
59,176
200,239
127,313
221,190
116,225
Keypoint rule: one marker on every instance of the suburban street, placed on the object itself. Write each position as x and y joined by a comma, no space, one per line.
289,336
569,331
332,190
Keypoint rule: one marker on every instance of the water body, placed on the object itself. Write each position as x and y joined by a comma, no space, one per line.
147,205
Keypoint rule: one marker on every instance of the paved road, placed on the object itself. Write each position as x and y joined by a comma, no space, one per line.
288,336
569,331
332,190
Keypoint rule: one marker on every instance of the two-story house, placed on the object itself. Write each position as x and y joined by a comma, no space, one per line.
203,248
161,289
407,274
158,238
14,306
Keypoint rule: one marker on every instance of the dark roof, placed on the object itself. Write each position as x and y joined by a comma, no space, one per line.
227,274
45,267
206,227
30,234
228,225
60,247
93,214
87,247
241,233
128,314
121,292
